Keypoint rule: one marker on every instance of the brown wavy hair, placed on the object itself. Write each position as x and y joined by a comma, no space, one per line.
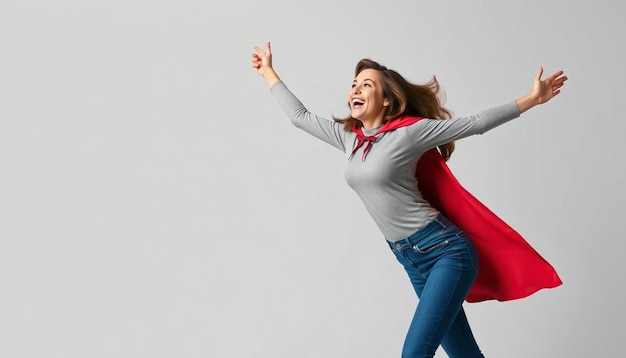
405,99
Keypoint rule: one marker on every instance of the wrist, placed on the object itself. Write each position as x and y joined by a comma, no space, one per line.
526,102
270,77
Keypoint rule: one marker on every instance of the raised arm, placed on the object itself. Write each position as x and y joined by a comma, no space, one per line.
430,133
321,128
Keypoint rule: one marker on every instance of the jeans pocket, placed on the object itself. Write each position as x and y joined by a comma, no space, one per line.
425,251
429,247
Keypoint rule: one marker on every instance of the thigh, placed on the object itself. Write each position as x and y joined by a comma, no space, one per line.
415,276
440,302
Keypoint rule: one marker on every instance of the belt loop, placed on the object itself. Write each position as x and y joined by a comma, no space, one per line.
408,242
441,220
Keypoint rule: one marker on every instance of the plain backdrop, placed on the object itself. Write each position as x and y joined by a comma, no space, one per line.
156,202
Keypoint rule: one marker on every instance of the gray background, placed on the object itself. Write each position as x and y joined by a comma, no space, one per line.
156,202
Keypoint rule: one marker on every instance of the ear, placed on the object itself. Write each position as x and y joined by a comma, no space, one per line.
386,102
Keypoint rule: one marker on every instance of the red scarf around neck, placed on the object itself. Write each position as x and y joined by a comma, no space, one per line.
510,268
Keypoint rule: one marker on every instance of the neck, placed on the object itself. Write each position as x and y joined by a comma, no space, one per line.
372,123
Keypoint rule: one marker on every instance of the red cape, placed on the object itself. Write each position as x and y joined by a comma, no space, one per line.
509,267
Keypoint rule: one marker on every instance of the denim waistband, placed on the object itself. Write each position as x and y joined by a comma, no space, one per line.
435,224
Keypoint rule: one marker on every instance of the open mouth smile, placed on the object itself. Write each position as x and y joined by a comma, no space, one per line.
357,103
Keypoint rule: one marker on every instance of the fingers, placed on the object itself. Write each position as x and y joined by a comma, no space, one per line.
256,61
555,83
560,81
555,89
555,75
260,54
266,52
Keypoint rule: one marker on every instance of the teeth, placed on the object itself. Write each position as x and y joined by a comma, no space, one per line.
357,101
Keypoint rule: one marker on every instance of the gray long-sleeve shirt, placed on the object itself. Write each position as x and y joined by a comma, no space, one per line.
385,181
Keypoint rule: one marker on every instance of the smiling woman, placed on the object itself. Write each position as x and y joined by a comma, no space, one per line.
368,100
397,126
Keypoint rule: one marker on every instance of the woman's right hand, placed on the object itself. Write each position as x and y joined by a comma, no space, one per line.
262,63
262,59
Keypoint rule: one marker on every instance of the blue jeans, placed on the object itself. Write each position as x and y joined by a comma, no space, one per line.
442,264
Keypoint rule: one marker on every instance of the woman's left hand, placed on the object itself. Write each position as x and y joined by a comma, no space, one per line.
545,90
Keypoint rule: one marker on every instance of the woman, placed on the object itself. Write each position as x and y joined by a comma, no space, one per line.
384,139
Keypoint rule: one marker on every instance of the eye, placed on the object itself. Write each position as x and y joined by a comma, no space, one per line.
367,85
353,85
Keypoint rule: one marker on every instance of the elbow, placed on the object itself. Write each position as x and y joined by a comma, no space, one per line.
298,116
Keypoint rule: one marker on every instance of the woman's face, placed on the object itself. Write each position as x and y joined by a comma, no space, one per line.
366,97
